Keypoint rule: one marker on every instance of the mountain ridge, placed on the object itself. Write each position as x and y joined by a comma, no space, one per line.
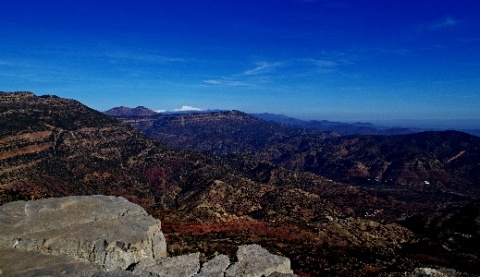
84,152
342,128
58,147
444,159
126,111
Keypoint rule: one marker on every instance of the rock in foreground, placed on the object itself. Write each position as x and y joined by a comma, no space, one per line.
255,261
107,236
104,230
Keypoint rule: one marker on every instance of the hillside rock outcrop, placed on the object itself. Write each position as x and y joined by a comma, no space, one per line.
107,231
215,267
180,266
107,236
255,261
432,272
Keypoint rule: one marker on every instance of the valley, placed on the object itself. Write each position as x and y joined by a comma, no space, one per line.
363,205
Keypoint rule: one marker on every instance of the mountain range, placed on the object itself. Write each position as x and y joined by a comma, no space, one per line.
342,128
225,178
447,160
323,125
357,128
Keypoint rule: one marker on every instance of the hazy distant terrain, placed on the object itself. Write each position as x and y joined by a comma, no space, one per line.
444,159
341,128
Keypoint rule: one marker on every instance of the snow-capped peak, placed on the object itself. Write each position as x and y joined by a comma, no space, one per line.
187,108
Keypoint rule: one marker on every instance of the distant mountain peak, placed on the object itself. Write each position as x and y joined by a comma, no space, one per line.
126,111
187,108
342,128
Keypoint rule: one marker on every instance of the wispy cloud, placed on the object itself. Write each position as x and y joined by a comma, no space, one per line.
436,25
263,67
222,82
445,23
141,57
469,96
322,63
326,63
265,73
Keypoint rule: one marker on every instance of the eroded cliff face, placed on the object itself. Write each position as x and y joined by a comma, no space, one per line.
87,235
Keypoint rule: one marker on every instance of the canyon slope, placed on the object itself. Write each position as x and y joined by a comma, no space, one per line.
434,160
209,203
419,175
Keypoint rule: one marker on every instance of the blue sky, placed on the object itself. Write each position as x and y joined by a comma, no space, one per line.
347,60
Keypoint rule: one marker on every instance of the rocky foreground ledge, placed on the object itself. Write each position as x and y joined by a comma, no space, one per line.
107,236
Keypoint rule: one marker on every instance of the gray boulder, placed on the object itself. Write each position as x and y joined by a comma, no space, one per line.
15,263
103,236
215,267
433,272
179,266
253,261
107,231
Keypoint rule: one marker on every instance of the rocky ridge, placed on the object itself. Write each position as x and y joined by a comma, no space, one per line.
423,172
138,111
53,147
86,235
447,160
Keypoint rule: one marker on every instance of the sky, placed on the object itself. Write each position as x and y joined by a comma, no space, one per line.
342,60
